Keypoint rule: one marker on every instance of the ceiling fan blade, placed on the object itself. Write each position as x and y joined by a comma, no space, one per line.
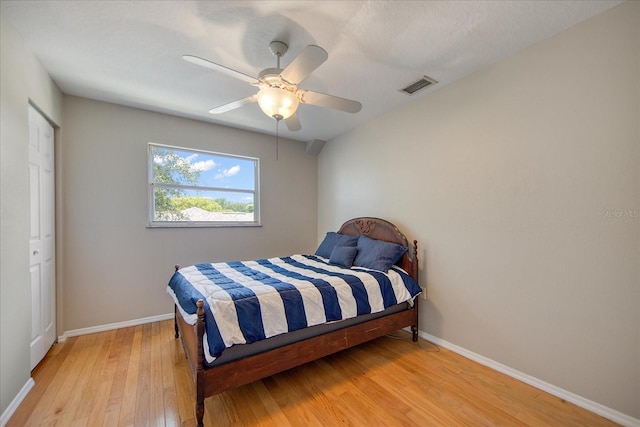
219,68
293,123
233,105
330,101
302,65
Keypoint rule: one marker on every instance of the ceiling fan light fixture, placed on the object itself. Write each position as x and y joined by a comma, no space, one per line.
277,102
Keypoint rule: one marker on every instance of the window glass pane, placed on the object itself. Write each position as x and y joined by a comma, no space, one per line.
191,186
203,205
172,165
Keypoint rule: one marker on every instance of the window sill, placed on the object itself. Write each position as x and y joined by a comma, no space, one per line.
196,224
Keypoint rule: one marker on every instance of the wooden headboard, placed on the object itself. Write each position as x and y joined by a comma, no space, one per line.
380,229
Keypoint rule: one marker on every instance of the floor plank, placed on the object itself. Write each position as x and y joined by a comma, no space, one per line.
139,376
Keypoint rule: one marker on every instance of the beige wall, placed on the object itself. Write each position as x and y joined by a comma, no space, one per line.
114,268
522,185
22,79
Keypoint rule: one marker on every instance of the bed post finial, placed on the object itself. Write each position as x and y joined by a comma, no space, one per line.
415,260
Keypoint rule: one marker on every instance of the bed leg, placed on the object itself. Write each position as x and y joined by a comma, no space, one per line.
175,311
200,364
414,327
175,321
200,414
415,273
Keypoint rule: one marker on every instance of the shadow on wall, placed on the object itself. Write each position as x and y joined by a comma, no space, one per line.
435,318
426,305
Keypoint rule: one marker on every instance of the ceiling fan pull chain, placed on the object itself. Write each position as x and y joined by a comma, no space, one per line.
277,137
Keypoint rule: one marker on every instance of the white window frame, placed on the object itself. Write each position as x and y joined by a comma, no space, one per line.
153,223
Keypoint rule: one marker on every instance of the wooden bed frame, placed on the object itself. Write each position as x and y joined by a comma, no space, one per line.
219,378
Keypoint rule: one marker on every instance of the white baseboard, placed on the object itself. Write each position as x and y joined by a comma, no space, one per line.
6,415
612,414
111,326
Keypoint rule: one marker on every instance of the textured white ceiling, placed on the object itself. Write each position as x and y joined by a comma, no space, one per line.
130,52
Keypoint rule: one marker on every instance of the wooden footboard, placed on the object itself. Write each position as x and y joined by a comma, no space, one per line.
217,379
188,336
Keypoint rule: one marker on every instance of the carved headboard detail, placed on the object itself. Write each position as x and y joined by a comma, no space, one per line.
380,229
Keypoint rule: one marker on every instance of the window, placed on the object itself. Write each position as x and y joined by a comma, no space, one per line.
192,188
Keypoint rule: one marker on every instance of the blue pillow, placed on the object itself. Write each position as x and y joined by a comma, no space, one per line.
377,255
333,239
343,255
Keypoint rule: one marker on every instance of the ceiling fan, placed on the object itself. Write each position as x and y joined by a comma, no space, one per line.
279,95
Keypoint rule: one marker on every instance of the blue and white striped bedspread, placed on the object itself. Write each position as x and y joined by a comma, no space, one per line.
254,300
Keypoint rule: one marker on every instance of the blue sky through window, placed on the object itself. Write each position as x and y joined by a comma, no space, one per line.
216,171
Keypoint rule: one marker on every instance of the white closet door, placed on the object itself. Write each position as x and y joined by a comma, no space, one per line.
42,237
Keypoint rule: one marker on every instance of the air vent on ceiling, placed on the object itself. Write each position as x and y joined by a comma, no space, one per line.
418,85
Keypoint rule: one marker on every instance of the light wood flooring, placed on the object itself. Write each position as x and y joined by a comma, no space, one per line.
138,376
